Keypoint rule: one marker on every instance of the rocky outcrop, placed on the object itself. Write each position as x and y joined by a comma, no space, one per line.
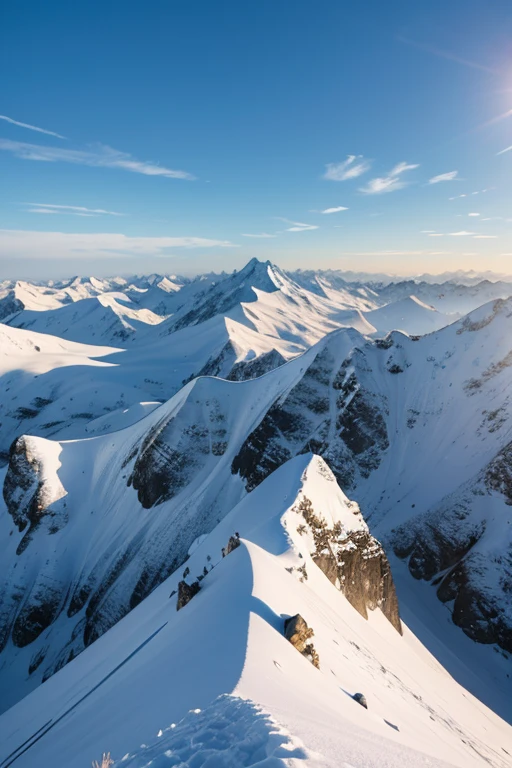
354,561
299,634
32,486
175,449
252,369
447,546
185,593
233,543
327,412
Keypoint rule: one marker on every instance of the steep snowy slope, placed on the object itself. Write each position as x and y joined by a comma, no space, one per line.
89,321
217,684
450,294
419,432
166,296
450,298
409,315
47,400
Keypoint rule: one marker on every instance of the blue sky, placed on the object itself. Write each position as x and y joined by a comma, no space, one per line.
159,136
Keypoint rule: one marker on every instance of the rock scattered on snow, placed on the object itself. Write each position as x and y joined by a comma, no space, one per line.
185,593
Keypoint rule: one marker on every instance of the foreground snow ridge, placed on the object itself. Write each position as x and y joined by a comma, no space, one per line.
217,684
230,732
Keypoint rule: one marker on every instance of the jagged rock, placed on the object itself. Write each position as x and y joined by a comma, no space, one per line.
441,547
30,486
233,543
298,634
185,593
365,577
354,562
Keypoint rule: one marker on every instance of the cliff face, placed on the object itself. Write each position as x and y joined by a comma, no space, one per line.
32,486
463,549
352,559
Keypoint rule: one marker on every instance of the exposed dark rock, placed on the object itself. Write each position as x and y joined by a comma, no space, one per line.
499,473
252,369
298,634
233,543
440,547
27,491
175,449
355,563
10,305
361,699
185,593
302,422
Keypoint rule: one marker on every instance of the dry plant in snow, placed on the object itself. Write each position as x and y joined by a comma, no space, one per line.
106,761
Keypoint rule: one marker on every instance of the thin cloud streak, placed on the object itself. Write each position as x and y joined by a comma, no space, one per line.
30,127
263,235
447,55
99,156
450,176
351,168
74,209
389,183
335,210
298,226
56,213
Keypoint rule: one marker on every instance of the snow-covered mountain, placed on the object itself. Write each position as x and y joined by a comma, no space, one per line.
218,684
195,417
388,416
106,319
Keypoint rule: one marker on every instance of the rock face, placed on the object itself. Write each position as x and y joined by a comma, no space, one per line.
354,561
328,412
299,634
447,546
31,486
185,593
233,543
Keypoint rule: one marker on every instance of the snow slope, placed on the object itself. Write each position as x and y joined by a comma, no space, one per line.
216,684
388,416
409,315
101,319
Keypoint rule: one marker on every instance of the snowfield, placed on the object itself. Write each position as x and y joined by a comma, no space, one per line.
356,434
217,683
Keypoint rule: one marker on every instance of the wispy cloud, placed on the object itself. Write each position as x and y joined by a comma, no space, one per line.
457,197
262,235
61,245
450,176
50,211
30,127
335,210
473,214
351,168
389,183
447,55
98,156
463,233
75,210
297,226
427,232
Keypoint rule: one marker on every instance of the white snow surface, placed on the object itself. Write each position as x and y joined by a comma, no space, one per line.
217,685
